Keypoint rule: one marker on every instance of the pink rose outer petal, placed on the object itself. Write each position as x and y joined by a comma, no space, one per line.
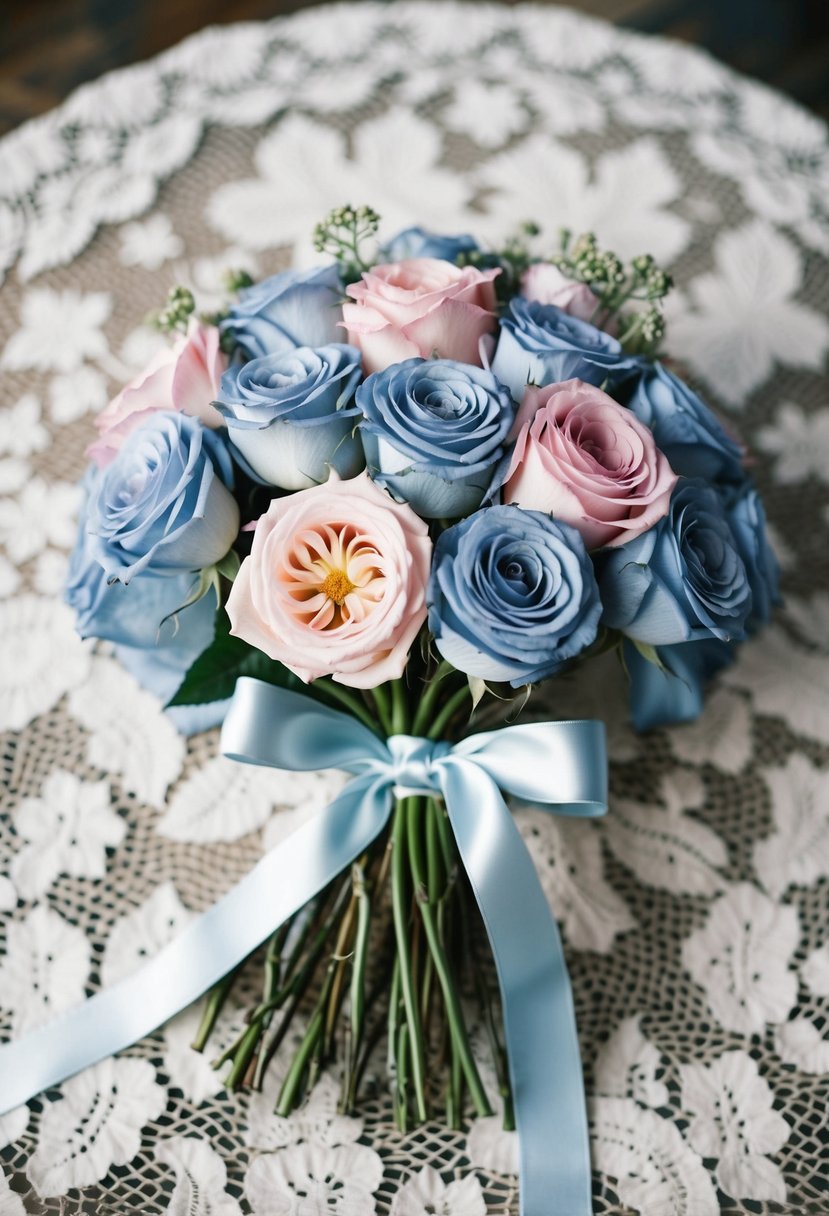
380,347
419,306
182,377
197,374
612,489
452,330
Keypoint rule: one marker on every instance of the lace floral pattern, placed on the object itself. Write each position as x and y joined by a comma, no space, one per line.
694,916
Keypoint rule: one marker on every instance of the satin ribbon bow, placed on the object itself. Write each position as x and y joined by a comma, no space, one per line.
561,765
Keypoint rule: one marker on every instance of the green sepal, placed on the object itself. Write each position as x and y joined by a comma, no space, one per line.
649,653
478,689
208,580
228,567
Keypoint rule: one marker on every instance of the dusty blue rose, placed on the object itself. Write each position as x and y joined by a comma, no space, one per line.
419,243
747,517
541,344
292,415
687,431
294,308
128,615
163,504
156,648
433,432
512,595
673,690
683,580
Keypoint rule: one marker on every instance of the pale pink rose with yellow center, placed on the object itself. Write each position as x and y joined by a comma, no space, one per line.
335,583
420,307
182,377
589,462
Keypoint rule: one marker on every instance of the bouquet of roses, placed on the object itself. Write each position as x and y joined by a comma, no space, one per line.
383,490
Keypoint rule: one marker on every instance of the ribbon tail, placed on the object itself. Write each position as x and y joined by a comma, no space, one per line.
211,946
539,1016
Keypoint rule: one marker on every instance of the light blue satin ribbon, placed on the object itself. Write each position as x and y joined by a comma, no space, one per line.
561,765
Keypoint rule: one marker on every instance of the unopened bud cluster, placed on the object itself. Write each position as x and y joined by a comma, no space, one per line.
617,283
176,312
237,280
342,232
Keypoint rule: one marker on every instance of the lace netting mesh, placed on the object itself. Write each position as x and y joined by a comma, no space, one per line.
642,973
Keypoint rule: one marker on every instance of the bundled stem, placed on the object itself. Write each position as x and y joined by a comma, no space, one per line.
414,870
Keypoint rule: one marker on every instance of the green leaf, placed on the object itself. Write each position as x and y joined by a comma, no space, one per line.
213,675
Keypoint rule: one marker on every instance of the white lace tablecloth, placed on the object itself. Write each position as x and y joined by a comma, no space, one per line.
696,916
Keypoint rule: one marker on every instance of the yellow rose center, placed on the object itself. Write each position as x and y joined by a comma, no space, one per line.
336,586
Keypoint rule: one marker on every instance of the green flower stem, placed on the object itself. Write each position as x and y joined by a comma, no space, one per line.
358,970
443,830
341,956
349,1084
270,987
298,981
273,1040
400,916
291,1086
393,1017
243,1056
435,878
273,960
213,1007
401,1099
360,1062
441,722
427,701
426,1004
434,884
631,331
382,703
348,699
400,708
460,1038
314,1047
319,938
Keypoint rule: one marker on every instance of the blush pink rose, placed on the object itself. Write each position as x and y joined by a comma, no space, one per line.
182,377
545,283
335,583
589,462
421,306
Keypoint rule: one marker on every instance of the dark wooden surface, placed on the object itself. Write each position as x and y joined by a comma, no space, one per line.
48,47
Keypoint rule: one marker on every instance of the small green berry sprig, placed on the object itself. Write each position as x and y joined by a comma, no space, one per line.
180,306
615,285
176,313
342,233
237,280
